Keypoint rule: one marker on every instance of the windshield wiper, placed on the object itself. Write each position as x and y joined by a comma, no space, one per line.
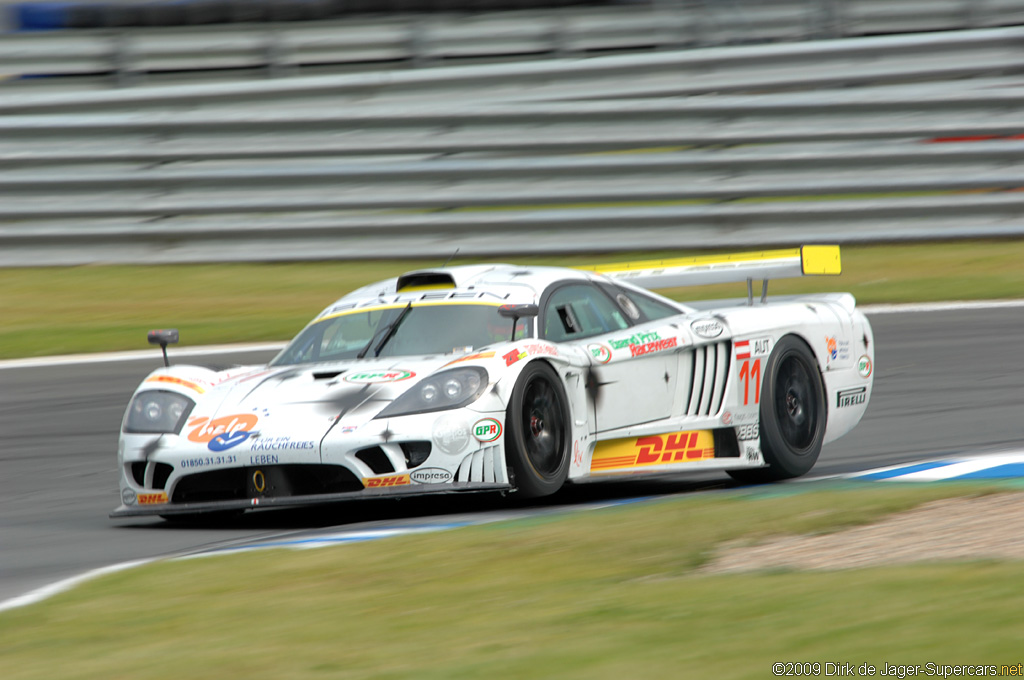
388,331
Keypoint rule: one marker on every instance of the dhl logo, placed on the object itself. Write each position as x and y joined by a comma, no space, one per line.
152,498
673,447
377,482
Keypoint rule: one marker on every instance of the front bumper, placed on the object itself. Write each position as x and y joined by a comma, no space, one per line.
258,502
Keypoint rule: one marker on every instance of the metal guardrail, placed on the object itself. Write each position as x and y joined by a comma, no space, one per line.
823,64
449,158
420,39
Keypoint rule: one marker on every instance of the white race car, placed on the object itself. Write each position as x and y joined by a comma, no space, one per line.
514,378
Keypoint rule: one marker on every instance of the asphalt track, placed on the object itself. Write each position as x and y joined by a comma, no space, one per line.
947,382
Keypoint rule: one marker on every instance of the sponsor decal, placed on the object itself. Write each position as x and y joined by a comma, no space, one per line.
730,418
748,432
451,435
349,429
635,339
751,452
529,349
128,497
851,397
750,376
471,357
264,459
374,377
209,460
577,455
707,328
514,356
644,343
379,482
650,347
487,430
674,447
171,380
280,444
601,353
221,434
864,366
152,498
836,349
431,476
755,347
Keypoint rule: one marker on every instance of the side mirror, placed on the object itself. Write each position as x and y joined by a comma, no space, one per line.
163,337
516,312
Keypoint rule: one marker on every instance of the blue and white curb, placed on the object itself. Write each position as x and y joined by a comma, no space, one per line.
1006,465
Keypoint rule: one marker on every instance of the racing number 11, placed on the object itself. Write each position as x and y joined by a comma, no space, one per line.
750,371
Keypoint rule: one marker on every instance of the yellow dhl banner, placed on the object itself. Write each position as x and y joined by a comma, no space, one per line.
673,447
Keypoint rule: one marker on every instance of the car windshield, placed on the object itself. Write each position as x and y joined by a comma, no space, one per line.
420,329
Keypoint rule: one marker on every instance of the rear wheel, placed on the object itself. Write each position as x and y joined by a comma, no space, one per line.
537,435
793,413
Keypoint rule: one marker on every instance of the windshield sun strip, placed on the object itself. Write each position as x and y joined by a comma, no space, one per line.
425,303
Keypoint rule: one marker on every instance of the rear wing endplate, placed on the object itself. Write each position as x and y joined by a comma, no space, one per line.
813,260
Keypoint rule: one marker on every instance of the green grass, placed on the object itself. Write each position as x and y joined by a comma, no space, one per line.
605,594
49,311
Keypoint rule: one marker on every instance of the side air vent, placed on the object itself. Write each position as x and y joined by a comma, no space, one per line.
415,452
161,471
151,475
481,466
139,472
375,458
709,374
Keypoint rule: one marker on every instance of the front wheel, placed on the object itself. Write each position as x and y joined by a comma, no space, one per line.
537,437
793,413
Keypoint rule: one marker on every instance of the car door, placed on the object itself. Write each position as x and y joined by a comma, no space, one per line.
634,365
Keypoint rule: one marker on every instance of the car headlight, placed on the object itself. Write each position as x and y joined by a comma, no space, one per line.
157,411
446,390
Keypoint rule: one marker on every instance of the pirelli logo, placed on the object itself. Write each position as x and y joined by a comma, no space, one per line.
674,447
380,482
852,397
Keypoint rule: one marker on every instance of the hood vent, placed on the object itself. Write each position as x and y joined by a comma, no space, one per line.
425,279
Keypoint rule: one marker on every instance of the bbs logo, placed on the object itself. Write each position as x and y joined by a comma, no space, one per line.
748,432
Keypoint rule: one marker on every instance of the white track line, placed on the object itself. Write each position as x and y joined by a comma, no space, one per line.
953,306
40,594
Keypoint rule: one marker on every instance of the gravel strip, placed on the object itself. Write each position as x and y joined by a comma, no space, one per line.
987,527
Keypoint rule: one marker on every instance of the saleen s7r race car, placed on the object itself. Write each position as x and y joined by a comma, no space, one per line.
515,378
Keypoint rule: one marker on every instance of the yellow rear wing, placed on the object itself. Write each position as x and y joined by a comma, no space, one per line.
815,260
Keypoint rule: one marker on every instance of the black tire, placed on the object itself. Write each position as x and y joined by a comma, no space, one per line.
537,434
793,413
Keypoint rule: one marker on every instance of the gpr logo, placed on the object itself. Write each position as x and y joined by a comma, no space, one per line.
371,377
670,448
397,480
487,430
